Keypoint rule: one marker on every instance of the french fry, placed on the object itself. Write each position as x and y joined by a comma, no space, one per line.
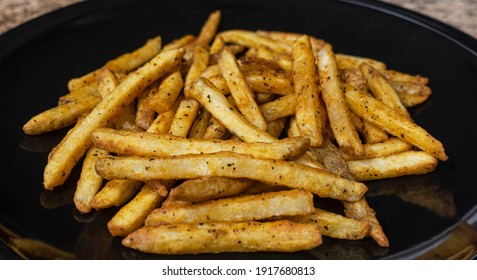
236,209
89,182
179,43
251,39
291,37
115,193
122,64
107,82
184,118
209,188
200,60
144,115
214,130
200,125
208,95
169,89
60,116
382,90
148,145
78,94
373,134
393,123
346,61
242,93
396,165
209,29
388,147
132,215
340,121
78,141
397,76
411,94
299,176
278,236
334,225
307,112
360,211
284,106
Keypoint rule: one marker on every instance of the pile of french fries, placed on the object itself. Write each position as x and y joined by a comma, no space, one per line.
225,141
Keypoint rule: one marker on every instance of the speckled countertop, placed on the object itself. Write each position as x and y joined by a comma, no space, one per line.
461,14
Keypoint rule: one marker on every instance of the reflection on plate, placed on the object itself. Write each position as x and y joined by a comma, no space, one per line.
428,216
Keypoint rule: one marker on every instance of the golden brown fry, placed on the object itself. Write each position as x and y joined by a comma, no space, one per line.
307,112
115,193
60,116
411,94
78,141
373,134
346,61
179,43
214,130
340,121
209,29
236,209
293,175
217,45
278,236
361,211
242,93
276,127
209,188
145,115
388,147
368,108
163,121
200,124
397,76
291,37
122,64
148,145
89,182
251,39
382,90
269,81
208,95
107,82
279,108
184,118
200,60
334,225
169,89
396,165
132,215
79,94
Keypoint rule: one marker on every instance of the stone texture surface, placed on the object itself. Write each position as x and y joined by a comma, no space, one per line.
461,14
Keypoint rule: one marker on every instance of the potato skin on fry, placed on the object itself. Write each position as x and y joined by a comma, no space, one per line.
278,236
291,174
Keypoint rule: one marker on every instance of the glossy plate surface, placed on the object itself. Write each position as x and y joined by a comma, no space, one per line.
425,216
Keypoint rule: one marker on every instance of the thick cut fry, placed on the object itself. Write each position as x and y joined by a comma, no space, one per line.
382,90
149,145
209,188
396,165
179,43
251,39
388,147
132,215
60,116
340,121
346,61
278,236
307,112
376,112
397,76
373,134
78,141
334,225
294,175
184,118
208,95
115,193
122,64
284,106
214,130
411,94
209,29
236,209
169,89
242,93
89,182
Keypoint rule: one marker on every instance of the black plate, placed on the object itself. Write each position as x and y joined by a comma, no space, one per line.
424,216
